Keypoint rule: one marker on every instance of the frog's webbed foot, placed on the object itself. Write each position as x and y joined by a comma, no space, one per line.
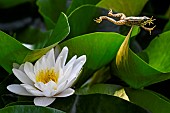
98,20
148,29
150,21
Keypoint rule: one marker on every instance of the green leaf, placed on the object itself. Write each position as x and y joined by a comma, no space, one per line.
29,109
100,49
60,31
77,3
12,3
99,89
138,73
158,52
14,52
31,35
41,39
50,10
128,7
82,20
148,100
96,103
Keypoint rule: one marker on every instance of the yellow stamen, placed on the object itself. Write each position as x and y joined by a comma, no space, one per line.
47,75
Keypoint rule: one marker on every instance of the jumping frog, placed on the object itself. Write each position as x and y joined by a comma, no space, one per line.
129,21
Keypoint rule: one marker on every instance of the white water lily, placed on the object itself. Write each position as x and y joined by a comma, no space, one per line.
49,78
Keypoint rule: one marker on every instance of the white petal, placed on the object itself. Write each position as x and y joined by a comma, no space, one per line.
43,101
70,83
49,92
51,58
51,89
61,86
37,66
40,85
21,67
22,76
48,89
69,65
67,70
18,89
58,69
65,93
62,57
77,66
72,60
29,70
51,84
40,64
32,90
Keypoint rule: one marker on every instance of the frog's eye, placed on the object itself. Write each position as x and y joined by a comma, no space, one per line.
145,18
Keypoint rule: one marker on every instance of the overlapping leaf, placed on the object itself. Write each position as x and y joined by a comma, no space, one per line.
138,73
100,49
29,109
96,103
81,20
13,51
50,10
149,100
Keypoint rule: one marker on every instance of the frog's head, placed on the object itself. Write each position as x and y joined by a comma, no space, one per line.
145,18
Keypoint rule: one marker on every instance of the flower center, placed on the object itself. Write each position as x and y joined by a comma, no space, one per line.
47,75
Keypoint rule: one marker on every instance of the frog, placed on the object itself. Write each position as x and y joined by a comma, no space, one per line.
129,21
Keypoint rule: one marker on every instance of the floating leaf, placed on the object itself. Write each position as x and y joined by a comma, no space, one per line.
100,49
108,89
29,109
128,7
148,100
138,73
96,103
60,31
50,10
81,20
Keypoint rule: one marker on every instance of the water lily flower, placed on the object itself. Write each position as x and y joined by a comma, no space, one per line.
49,78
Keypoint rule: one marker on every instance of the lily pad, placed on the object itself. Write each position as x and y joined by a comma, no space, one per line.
50,10
29,109
81,20
137,72
149,100
96,103
14,52
108,89
100,49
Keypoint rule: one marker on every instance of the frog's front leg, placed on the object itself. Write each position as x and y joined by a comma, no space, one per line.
120,22
148,29
121,15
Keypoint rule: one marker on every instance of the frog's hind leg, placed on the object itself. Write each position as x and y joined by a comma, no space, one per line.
120,22
148,29
121,15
